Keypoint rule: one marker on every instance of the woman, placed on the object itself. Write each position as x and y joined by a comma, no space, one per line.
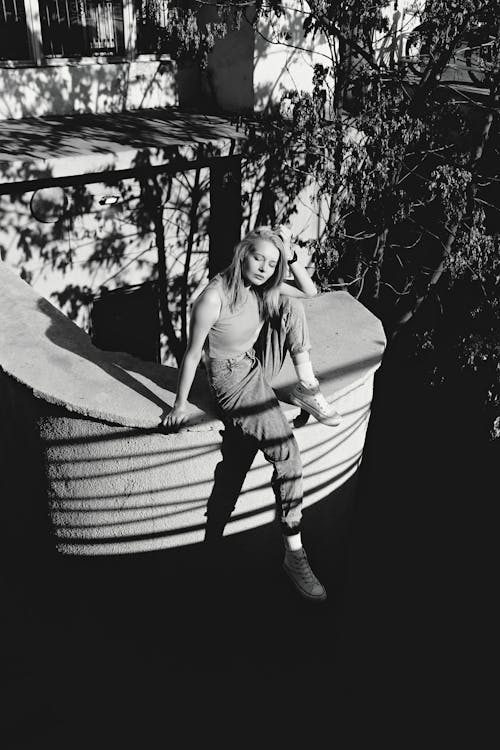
246,319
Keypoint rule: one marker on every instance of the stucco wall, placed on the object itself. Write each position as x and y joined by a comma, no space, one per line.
282,64
91,244
102,489
86,87
114,491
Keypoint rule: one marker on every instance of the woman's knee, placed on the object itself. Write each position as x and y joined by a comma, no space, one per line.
285,456
291,307
294,322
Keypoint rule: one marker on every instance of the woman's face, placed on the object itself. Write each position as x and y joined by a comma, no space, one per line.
260,262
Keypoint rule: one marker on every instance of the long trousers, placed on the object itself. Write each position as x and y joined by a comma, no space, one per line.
254,420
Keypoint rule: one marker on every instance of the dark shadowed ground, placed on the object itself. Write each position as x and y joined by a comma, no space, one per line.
134,651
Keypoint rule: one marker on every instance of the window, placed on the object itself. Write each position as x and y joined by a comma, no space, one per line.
13,31
81,27
40,30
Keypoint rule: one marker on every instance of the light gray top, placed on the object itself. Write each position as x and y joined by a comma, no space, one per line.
235,331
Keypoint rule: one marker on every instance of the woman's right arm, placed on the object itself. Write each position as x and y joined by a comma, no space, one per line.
204,314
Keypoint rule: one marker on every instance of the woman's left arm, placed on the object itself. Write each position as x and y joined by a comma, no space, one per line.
303,284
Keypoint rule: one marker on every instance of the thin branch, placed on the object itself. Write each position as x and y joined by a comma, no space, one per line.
490,205
396,291
292,46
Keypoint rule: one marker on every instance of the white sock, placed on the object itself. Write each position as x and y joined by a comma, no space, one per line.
305,373
293,542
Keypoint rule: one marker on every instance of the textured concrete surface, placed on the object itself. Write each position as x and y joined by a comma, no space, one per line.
113,490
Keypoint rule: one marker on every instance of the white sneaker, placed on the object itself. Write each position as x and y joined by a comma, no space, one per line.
296,566
312,400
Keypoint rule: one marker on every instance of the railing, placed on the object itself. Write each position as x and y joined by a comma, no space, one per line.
81,27
13,31
76,28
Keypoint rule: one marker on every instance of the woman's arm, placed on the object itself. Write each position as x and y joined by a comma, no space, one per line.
204,314
303,284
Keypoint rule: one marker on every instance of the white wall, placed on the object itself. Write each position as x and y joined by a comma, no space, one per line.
59,254
86,87
285,64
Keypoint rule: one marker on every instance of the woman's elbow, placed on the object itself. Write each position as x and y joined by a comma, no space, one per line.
193,354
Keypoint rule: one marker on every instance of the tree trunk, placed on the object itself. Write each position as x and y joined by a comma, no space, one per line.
153,200
195,201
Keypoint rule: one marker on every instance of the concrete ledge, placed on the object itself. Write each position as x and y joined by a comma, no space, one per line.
56,360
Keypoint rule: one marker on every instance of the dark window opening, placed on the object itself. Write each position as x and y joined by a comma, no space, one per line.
13,31
79,28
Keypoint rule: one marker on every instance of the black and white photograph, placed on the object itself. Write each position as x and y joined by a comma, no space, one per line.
249,372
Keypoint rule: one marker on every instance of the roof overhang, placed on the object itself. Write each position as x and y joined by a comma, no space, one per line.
63,150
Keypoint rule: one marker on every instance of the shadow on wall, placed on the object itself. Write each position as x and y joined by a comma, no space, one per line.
107,498
88,244
86,87
284,58
81,346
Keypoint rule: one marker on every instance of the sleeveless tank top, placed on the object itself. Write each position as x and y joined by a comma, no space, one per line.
234,332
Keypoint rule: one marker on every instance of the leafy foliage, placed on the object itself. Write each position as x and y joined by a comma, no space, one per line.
405,166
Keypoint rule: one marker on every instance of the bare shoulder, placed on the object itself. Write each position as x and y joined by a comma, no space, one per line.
208,304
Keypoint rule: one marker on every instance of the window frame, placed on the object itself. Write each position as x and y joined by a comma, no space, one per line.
39,60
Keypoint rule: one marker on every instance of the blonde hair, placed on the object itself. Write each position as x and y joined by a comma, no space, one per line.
268,292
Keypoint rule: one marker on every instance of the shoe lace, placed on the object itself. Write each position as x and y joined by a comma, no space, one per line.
303,568
321,402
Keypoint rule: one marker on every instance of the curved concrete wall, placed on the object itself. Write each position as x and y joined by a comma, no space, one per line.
113,490
110,481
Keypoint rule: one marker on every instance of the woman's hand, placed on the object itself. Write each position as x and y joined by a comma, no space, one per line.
303,285
174,419
286,235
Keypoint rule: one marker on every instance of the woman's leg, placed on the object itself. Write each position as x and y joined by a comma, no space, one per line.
275,438
290,332
238,452
249,404
287,486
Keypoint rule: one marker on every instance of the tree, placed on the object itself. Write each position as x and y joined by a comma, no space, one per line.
406,165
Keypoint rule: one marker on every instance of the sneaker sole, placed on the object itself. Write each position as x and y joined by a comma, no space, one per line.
329,421
310,597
